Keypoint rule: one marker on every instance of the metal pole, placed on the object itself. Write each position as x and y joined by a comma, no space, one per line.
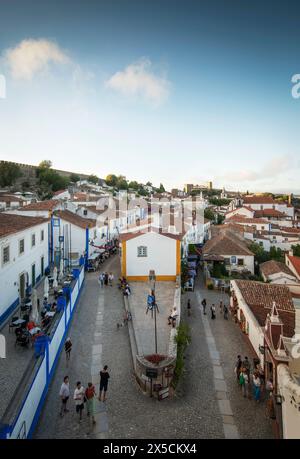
155,328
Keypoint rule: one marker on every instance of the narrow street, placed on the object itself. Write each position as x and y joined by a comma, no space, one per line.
193,413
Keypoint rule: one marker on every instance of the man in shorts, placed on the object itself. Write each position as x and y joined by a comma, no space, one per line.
79,394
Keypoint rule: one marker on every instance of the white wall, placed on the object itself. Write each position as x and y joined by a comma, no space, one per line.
161,255
248,262
255,332
10,272
290,391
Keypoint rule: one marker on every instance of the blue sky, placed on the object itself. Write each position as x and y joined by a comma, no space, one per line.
167,91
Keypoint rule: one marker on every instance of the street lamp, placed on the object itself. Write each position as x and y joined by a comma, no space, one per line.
152,280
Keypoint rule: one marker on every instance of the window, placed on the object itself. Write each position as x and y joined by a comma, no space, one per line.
5,255
21,246
227,261
233,260
240,262
142,251
42,235
95,234
33,240
262,228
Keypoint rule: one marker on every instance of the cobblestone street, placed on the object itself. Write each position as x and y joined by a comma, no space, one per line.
193,413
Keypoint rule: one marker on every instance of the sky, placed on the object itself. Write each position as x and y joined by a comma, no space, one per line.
171,91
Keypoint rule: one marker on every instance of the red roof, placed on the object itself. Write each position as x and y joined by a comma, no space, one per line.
49,204
269,213
12,223
75,219
295,262
150,229
259,200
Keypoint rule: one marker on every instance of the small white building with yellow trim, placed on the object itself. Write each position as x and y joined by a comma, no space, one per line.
150,249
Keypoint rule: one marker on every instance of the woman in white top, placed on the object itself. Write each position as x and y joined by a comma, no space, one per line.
79,399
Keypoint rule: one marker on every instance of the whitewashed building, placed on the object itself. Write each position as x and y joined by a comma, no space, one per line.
24,257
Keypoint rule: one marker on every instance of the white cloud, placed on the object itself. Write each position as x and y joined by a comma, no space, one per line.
33,56
138,79
271,170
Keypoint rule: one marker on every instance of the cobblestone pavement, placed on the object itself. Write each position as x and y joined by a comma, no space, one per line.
143,324
249,417
192,413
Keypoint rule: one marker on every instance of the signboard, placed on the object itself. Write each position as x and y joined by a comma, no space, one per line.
163,393
61,239
151,373
56,222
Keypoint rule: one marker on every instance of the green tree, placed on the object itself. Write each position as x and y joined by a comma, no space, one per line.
259,252
219,201
122,183
111,180
74,178
296,250
45,164
276,254
93,179
134,185
161,188
209,214
9,173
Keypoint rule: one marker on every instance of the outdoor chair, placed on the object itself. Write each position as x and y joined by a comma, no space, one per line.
12,325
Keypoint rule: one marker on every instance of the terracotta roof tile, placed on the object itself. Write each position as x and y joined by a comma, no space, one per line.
49,204
272,267
259,200
76,219
295,262
260,297
225,244
11,223
269,213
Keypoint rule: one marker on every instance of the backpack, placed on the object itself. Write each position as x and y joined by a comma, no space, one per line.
242,379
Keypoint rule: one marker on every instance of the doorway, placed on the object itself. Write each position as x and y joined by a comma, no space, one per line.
22,284
33,275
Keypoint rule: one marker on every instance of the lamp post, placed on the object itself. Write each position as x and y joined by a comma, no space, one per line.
152,279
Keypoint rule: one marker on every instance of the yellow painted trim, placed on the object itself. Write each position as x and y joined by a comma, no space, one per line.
146,278
178,258
123,258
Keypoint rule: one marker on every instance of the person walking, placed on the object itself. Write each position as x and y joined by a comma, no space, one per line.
101,280
79,394
189,307
213,311
104,377
105,279
68,348
225,309
204,305
256,387
244,382
111,279
221,307
247,366
238,367
90,394
64,394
